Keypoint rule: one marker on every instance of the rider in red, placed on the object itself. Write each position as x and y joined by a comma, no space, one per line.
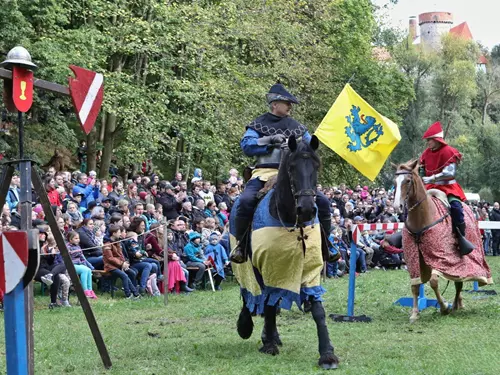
438,167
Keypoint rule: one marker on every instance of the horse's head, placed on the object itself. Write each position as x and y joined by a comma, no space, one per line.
302,164
404,177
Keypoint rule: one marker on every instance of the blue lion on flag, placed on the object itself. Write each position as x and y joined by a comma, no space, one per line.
362,128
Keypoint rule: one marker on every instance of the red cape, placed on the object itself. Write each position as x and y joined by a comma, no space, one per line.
434,162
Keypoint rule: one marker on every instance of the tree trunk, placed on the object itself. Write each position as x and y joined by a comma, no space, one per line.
109,138
110,128
91,150
102,129
485,109
179,149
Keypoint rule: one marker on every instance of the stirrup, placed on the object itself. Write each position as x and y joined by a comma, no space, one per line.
238,255
465,247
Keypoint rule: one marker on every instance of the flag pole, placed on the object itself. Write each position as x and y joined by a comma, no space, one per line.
350,79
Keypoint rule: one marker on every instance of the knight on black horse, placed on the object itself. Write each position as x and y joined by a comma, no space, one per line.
280,246
262,139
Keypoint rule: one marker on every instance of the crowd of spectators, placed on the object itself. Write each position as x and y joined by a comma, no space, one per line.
121,229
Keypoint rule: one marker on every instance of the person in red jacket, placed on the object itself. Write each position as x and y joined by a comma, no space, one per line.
52,193
438,168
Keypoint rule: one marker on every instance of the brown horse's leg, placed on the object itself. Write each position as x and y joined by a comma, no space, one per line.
443,306
457,303
414,311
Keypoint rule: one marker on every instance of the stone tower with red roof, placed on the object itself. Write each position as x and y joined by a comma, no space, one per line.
432,26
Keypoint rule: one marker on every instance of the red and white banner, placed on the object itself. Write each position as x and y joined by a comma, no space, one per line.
87,92
396,226
13,259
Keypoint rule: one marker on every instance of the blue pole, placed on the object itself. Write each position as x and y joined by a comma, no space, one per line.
476,286
352,279
15,332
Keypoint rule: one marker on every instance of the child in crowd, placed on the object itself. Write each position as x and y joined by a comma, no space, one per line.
75,214
64,282
215,251
82,266
193,256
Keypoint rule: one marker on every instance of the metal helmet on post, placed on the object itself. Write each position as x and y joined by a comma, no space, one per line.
19,56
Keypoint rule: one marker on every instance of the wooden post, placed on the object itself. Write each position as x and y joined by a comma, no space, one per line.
165,265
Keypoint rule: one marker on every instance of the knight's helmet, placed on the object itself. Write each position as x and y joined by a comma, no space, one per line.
278,92
19,56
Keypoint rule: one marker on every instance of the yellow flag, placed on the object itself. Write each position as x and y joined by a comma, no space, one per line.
358,133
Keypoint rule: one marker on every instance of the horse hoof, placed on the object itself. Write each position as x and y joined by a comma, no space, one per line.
277,340
270,349
328,361
446,311
413,319
244,326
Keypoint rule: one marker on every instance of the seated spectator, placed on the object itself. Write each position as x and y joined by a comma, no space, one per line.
369,252
138,226
86,188
50,268
12,198
193,257
199,210
135,256
74,214
177,275
223,214
211,209
116,264
52,192
392,256
82,266
89,244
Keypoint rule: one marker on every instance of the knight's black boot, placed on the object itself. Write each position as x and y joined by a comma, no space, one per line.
239,253
464,245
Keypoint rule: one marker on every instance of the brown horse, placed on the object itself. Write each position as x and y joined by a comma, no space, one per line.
429,245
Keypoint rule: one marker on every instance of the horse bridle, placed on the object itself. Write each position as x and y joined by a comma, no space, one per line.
300,193
296,195
405,205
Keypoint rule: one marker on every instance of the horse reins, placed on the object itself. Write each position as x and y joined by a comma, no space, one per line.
408,210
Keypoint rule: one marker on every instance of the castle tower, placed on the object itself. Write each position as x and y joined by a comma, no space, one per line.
432,26
413,28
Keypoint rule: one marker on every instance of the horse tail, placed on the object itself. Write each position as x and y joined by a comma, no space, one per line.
244,325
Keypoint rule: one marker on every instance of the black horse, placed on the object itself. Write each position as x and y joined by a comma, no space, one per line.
286,242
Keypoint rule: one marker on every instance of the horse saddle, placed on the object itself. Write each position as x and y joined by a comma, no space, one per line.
439,195
268,186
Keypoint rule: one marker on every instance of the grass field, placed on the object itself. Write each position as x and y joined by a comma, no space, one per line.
195,334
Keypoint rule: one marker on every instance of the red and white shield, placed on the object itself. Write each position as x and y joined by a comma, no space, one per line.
13,259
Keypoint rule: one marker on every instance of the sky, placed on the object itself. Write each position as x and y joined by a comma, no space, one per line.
481,15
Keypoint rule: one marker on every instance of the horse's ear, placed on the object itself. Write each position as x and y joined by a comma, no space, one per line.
314,143
395,166
292,143
414,164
